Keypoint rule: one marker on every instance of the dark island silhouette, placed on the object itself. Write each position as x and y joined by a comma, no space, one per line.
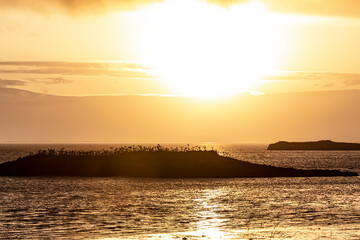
152,162
318,145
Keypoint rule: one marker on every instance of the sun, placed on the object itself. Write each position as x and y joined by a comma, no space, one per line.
205,50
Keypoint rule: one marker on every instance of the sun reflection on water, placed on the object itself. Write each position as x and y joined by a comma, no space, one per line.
213,233
208,208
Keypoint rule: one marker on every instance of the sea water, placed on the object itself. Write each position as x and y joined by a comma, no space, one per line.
131,208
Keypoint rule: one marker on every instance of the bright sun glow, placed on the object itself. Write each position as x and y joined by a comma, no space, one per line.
204,50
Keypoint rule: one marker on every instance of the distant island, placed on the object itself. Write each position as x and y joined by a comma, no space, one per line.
318,145
152,162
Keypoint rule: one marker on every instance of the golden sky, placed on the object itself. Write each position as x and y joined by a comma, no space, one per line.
208,50
220,48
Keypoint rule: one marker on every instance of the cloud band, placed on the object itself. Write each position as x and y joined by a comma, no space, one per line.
343,8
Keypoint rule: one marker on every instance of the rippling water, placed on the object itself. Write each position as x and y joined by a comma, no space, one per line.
119,208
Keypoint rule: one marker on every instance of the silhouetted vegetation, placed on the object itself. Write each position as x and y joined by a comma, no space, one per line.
142,161
319,145
120,150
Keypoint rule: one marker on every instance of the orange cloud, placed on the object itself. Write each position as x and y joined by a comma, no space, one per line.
8,83
346,78
116,69
74,7
344,8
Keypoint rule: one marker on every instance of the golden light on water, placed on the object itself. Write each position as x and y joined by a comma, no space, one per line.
211,221
207,51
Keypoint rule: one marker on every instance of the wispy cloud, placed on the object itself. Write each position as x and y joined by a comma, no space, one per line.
352,82
56,80
325,79
11,83
74,7
47,81
112,69
345,8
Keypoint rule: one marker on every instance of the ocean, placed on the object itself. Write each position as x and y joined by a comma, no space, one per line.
135,208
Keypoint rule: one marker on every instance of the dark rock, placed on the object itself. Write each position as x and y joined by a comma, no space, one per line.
162,164
319,145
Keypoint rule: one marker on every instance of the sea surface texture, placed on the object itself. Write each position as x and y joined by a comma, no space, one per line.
120,208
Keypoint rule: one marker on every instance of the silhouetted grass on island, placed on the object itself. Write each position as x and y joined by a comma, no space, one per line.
141,161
